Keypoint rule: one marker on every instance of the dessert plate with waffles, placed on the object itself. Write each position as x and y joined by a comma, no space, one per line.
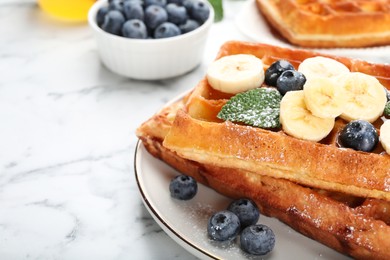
304,135
341,27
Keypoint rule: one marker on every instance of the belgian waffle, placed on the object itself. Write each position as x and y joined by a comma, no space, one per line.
330,23
343,219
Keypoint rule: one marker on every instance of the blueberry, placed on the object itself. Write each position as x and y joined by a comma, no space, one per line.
257,240
359,135
199,11
133,10
101,14
161,3
154,16
290,80
179,2
275,70
223,226
113,22
188,4
166,30
116,5
135,29
176,14
183,187
188,26
141,2
246,211
387,94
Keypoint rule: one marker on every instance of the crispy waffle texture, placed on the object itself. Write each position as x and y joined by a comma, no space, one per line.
348,214
329,23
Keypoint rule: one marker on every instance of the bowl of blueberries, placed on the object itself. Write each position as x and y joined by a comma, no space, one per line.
151,39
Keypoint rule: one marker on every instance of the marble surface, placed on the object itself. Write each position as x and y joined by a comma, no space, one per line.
67,138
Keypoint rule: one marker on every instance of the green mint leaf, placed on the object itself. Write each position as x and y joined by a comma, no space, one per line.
386,112
257,107
218,9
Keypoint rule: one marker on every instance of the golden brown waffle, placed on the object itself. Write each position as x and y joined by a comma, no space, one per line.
347,222
202,137
330,23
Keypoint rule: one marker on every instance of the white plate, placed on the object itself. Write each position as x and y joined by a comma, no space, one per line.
186,221
252,24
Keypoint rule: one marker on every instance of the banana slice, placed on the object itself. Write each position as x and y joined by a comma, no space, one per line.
365,97
323,97
298,121
321,67
384,136
236,73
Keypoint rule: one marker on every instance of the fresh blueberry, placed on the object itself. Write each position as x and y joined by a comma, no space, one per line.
188,4
183,187
199,11
290,80
275,70
141,2
387,94
166,30
154,16
101,14
179,2
223,226
176,14
133,10
359,135
257,239
116,5
113,22
189,26
135,29
161,3
246,211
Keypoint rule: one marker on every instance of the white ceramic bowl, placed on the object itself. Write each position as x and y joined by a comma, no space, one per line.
150,59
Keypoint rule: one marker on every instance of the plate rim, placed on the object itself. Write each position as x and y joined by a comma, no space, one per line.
154,212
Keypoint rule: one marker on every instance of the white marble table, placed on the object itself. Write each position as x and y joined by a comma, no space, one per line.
67,124
67,139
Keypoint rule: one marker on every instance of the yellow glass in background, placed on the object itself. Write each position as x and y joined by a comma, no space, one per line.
69,10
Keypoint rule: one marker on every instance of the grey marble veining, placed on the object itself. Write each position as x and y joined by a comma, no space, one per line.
67,138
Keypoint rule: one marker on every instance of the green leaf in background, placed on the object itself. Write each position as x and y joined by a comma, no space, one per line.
218,9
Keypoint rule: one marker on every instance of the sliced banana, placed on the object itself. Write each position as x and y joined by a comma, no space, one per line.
365,97
236,73
323,97
298,121
319,66
384,136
